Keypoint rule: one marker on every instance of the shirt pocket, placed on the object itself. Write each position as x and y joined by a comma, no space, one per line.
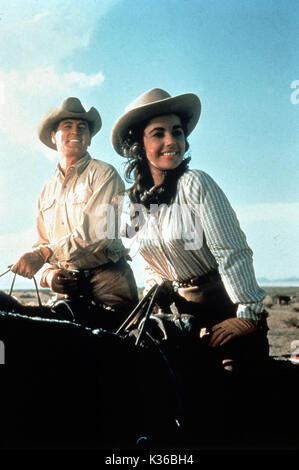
48,210
80,198
76,203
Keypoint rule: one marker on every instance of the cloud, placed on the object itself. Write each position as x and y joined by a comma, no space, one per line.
12,120
24,97
46,80
40,16
38,39
83,80
35,35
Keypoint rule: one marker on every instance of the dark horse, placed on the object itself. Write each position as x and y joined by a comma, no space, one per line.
66,385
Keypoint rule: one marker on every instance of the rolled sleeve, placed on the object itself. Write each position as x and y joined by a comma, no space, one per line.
255,311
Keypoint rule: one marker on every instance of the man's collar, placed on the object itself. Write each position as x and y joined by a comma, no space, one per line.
79,166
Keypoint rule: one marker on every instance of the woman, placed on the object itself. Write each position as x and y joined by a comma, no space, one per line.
212,277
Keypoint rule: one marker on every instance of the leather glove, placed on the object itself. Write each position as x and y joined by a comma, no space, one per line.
61,281
229,329
31,262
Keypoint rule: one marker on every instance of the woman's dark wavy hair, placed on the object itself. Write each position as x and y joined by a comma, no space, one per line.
137,169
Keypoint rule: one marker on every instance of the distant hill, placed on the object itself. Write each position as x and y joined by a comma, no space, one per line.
277,281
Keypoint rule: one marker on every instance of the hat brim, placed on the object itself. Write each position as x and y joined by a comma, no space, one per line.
188,106
46,126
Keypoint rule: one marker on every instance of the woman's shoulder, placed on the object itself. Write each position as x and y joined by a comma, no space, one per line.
197,184
195,177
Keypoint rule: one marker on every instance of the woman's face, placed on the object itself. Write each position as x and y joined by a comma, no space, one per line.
164,143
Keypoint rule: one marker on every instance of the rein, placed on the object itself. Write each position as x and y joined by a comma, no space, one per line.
13,282
149,299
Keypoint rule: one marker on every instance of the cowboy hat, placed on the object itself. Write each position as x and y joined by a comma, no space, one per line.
153,103
70,108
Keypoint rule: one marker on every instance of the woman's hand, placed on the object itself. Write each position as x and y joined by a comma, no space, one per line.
229,329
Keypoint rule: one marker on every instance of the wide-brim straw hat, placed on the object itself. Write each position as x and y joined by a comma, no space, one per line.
71,108
153,103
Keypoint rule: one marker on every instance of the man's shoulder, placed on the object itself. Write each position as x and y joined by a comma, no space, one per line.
102,166
50,180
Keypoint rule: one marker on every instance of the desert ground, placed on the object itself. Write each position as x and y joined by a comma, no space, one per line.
283,319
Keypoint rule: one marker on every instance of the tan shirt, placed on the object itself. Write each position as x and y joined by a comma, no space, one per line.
72,215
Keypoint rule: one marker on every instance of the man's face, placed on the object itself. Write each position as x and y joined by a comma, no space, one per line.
72,137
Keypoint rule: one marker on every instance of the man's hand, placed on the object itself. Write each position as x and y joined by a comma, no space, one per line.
229,329
31,262
62,281
164,295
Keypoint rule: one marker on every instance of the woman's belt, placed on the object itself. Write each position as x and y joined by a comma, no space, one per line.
198,280
205,295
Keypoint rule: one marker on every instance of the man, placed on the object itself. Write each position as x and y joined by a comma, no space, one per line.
77,221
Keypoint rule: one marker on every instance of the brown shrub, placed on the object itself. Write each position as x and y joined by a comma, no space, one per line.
292,322
268,301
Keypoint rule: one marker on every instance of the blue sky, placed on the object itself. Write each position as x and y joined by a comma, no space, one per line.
239,56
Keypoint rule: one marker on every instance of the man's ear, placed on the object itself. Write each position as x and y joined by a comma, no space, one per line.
89,141
53,137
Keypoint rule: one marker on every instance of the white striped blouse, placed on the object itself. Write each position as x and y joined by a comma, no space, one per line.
199,232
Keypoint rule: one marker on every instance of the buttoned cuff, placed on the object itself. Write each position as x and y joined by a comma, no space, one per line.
43,280
44,251
253,311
